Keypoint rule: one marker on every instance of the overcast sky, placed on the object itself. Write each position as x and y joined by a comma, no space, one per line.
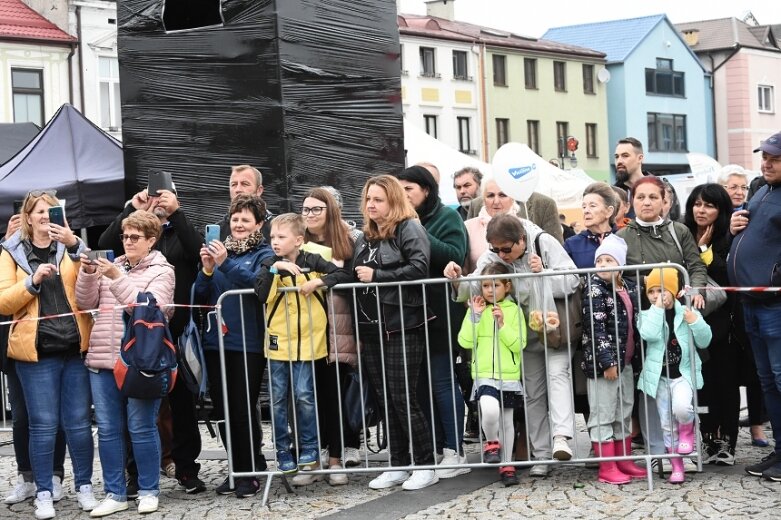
530,18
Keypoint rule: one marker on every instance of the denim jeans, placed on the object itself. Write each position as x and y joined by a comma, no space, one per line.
21,430
675,405
57,394
763,325
116,416
448,402
303,389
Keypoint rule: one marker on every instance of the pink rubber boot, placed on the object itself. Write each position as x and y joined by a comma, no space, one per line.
677,476
608,471
627,467
686,438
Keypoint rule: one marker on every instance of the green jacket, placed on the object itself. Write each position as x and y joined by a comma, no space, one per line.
655,244
447,235
495,357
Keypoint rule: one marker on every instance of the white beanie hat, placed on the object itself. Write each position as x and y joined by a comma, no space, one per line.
614,246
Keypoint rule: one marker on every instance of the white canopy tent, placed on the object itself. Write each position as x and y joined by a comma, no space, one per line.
564,186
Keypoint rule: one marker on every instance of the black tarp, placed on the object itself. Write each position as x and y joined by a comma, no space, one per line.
79,160
14,137
306,90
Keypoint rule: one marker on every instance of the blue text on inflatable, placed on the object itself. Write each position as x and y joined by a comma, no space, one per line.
517,173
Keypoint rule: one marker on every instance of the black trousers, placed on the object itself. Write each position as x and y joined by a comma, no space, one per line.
329,401
243,385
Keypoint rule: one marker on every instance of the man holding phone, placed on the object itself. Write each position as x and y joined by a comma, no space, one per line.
181,243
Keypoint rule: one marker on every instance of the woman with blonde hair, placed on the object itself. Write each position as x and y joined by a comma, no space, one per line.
394,248
38,269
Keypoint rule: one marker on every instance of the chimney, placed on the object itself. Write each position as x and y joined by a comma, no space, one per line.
692,37
441,9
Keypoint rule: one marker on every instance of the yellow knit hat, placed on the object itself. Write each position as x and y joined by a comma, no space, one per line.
668,275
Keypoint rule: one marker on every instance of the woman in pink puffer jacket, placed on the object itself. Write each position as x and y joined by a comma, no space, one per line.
103,285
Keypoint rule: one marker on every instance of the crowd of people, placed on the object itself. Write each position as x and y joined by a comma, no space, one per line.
454,354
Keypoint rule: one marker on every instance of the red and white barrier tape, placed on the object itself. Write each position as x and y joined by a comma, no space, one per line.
102,309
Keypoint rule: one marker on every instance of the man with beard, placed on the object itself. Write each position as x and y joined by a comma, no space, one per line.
629,167
181,244
466,183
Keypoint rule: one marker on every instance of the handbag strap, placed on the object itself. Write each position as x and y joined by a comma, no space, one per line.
678,243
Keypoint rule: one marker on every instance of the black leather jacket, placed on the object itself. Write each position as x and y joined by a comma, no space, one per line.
402,258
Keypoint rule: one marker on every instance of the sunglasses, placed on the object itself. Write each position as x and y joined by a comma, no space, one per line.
41,193
505,250
315,210
133,238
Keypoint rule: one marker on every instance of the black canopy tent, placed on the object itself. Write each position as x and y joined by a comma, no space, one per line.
14,137
74,157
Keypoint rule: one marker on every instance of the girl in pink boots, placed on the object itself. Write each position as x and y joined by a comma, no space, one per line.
608,348
667,371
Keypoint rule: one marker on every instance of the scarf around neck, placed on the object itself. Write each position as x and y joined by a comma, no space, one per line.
242,246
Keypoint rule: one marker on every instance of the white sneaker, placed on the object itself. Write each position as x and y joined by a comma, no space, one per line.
337,479
324,457
56,488
667,467
388,479
305,477
351,457
451,457
108,506
689,466
421,478
21,491
147,504
170,470
86,498
561,450
44,506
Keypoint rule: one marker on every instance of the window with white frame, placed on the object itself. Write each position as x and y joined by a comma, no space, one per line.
110,102
431,124
460,65
27,90
765,98
464,140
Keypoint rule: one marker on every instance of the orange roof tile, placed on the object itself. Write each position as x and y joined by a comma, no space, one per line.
19,22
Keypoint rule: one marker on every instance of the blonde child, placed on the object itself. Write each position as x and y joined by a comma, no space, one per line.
296,323
667,372
497,338
610,303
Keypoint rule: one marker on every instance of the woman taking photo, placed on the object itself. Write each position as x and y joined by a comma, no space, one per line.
708,210
234,264
599,211
394,247
447,237
38,271
330,237
107,285
651,238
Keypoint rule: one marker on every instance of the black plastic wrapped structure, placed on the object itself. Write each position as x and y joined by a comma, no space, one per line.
308,91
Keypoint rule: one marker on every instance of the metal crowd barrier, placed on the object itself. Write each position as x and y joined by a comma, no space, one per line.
382,461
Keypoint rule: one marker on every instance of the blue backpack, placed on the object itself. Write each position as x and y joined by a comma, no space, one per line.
146,367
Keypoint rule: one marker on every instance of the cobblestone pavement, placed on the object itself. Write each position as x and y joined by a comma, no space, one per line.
569,492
